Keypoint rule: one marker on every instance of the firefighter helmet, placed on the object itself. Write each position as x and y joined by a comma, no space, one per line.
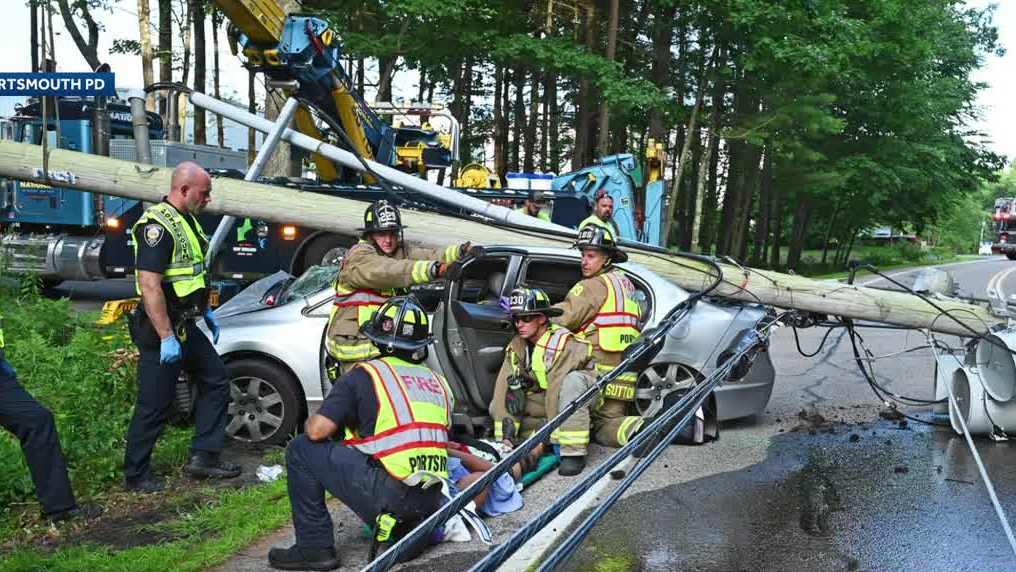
400,324
381,216
601,237
525,301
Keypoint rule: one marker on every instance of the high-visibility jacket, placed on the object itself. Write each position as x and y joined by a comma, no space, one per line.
414,416
367,279
186,273
544,214
601,310
610,225
556,354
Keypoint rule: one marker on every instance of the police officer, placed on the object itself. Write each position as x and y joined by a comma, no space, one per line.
33,425
535,206
393,415
169,248
601,310
603,213
381,265
537,363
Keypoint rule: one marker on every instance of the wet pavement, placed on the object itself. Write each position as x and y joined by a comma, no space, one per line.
849,497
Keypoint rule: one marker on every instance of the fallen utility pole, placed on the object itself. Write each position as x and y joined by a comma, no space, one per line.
278,204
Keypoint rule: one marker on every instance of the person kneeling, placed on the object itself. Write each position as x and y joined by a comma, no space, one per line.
394,415
541,360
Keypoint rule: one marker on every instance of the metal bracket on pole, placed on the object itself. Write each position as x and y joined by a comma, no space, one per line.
264,154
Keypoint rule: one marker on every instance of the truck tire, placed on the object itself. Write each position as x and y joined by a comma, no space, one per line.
266,405
324,250
1010,255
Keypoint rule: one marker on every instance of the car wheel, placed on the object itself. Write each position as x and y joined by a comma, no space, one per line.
1010,255
657,383
265,405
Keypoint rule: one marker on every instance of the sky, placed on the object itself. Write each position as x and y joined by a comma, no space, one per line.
995,101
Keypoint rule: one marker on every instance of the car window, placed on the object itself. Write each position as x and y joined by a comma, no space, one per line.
482,281
315,279
556,276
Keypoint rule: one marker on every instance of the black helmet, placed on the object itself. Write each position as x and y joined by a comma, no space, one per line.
401,324
381,216
525,301
596,236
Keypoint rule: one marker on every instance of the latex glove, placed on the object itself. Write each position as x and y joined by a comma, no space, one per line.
213,325
170,350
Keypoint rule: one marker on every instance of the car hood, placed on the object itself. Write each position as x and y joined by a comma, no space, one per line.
250,299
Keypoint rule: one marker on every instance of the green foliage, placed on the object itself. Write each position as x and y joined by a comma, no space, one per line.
80,373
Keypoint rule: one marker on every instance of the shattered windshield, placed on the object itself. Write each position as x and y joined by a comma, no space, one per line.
315,279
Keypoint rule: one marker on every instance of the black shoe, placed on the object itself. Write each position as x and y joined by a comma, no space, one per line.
86,511
296,558
206,466
571,466
144,486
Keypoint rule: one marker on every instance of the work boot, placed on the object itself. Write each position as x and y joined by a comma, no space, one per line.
86,511
296,558
571,465
205,465
145,485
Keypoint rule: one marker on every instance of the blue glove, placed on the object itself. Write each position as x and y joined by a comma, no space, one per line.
170,350
213,325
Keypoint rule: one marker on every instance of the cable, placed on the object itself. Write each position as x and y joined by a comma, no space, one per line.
821,343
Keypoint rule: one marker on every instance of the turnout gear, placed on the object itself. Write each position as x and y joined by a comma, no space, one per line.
603,312
186,272
602,238
369,277
414,414
400,324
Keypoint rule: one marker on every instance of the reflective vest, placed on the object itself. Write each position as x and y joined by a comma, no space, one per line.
186,271
617,320
414,408
542,215
544,353
366,302
597,221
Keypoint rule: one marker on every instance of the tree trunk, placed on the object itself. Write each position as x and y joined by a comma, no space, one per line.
585,103
252,106
776,216
359,76
554,122
466,151
545,161
220,132
423,84
705,167
663,36
165,52
518,119
181,100
145,33
89,47
604,123
33,33
532,144
500,122
829,232
762,222
386,66
282,163
801,215
198,14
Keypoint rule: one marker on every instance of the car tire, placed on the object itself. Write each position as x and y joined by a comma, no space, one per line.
266,406
323,250
659,383
1010,255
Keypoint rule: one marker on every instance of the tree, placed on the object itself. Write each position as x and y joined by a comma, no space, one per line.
72,10
165,53
197,10
145,33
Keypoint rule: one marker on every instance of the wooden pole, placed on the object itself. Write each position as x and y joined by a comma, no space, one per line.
239,198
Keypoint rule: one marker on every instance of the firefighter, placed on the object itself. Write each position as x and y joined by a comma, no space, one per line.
33,425
537,362
603,213
535,206
601,310
393,415
378,267
170,277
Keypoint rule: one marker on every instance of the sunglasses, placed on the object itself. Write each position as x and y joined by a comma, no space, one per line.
526,318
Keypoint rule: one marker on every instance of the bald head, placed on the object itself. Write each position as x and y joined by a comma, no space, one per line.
190,188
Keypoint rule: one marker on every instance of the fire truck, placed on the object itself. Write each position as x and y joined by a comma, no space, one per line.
1004,217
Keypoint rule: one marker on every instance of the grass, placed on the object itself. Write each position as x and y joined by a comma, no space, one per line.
210,535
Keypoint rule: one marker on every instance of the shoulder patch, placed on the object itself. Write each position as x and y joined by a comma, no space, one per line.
154,233
576,290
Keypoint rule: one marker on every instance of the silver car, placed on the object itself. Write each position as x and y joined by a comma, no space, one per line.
272,340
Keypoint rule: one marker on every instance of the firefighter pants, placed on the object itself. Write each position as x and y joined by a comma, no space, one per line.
359,481
33,425
609,419
157,389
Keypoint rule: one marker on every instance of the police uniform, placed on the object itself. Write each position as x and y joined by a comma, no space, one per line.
555,357
394,416
173,244
367,279
33,425
602,311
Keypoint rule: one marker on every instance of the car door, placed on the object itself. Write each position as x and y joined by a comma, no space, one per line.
472,330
